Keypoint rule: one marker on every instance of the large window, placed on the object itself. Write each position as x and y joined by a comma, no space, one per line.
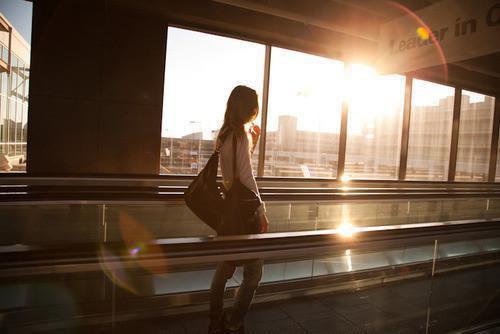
201,70
306,95
374,124
303,123
430,131
14,78
474,137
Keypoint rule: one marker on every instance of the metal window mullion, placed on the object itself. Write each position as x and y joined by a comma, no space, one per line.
9,59
343,128
8,111
15,127
405,134
265,102
457,102
494,142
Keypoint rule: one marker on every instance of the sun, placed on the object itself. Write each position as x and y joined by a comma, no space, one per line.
371,97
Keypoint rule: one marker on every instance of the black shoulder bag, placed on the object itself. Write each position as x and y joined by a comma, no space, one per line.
231,212
204,196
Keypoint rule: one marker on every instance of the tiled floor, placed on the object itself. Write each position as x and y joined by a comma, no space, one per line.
458,300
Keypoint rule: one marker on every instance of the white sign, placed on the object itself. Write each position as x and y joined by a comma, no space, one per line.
446,32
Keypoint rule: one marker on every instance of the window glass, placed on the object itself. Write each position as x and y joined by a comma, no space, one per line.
474,137
4,83
27,83
11,120
430,131
3,130
13,92
19,123
303,123
14,76
25,124
374,124
497,173
200,72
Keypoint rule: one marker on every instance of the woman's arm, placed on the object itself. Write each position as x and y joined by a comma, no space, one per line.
244,166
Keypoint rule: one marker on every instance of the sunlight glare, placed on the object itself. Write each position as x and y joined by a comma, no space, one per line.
371,98
345,178
348,259
474,97
346,229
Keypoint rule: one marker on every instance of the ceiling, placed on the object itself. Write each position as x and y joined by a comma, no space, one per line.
340,29
358,18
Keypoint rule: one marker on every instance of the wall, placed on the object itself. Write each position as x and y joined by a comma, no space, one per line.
96,89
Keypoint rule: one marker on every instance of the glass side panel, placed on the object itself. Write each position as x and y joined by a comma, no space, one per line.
94,223
197,277
153,221
34,224
387,289
303,123
200,72
298,216
374,124
474,288
474,137
430,131
493,208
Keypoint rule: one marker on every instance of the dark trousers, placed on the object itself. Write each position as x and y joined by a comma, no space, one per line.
252,273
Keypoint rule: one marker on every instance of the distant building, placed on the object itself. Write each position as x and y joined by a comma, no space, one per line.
373,153
292,152
14,78
430,137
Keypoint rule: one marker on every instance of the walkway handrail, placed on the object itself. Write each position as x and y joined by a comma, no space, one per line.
20,260
108,193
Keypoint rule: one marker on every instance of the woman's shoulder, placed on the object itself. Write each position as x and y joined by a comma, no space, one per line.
241,138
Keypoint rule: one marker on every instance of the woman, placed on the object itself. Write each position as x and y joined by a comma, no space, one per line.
242,108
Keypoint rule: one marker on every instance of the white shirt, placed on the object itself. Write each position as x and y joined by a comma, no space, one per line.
243,165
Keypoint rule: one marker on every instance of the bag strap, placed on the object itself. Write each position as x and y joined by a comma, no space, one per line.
217,146
235,143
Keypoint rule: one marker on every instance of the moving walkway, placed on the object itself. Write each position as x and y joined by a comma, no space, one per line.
85,252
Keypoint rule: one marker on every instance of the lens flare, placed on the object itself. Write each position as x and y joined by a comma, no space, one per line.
423,33
131,265
114,269
140,241
135,250
423,30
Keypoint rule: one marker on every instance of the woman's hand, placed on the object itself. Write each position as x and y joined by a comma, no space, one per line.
255,132
263,223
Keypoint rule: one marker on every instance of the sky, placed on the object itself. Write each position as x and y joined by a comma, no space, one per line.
19,13
201,70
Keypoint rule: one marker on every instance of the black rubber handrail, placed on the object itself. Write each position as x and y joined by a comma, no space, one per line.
131,197
24,178
33,193
190,251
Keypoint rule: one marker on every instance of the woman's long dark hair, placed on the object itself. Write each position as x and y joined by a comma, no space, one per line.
240,110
